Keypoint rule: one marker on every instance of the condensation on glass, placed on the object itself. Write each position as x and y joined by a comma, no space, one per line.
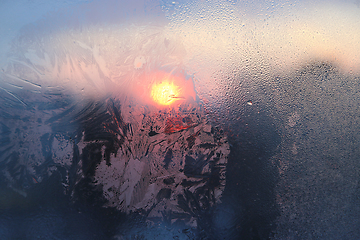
179,119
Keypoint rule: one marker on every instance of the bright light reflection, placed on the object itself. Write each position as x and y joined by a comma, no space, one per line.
165,93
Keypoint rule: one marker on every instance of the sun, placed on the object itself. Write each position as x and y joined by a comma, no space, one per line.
165,93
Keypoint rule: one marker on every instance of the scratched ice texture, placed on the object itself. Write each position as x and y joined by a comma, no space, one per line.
262,143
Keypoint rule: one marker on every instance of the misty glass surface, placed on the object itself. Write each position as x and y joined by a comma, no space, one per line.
179,119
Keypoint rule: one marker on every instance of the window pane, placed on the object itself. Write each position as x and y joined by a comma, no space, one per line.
179,119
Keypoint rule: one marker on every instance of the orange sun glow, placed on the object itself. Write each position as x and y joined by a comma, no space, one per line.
165,93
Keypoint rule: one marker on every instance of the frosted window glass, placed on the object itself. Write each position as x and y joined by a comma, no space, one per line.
179,119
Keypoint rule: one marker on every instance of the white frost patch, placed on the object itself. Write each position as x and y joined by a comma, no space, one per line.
62,151
132,174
